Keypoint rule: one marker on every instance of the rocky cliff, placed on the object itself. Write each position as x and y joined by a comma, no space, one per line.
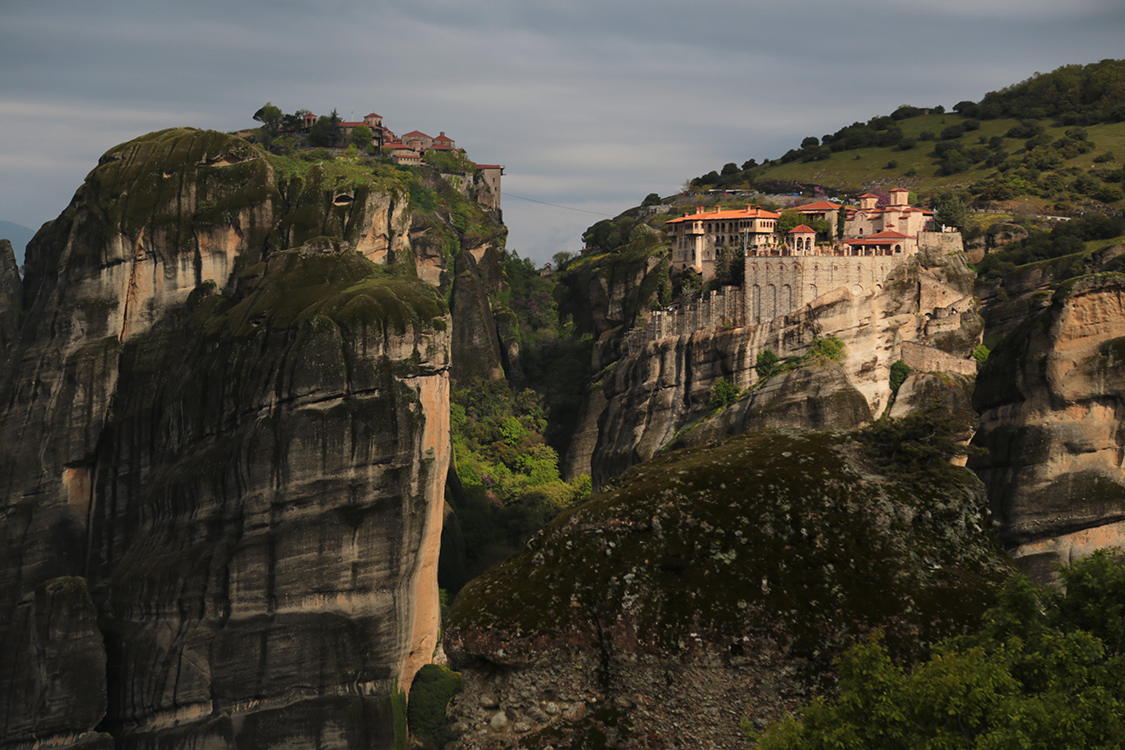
1052,403
645,400
225,440
711,585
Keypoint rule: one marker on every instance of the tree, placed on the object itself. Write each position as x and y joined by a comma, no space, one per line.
294,122
269,116
789,219
767,363
723,394
729,168
650,200
326,132
362,137
952,212
1045,671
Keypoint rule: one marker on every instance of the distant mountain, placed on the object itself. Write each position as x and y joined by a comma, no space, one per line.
18,235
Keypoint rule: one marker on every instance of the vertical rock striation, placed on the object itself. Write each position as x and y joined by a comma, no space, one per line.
1052,404
651,396
234,427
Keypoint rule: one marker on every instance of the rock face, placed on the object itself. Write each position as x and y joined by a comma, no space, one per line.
1052,404
652,395
709,585
234,427
11,297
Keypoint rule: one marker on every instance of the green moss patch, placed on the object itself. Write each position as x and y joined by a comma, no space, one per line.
344,287
783,535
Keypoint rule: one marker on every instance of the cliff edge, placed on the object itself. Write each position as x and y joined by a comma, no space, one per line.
228,423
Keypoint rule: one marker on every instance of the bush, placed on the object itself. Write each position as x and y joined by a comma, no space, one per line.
766,364
899,371
830,348
434,686
1044,671
723,394
980,354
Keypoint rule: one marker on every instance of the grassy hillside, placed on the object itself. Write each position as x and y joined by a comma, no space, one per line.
1054,143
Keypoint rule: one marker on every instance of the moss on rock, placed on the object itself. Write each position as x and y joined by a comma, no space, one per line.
778,534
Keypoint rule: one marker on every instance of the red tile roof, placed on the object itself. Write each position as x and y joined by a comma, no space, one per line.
802,229
415,133
372,114
727,215
879,238
820,206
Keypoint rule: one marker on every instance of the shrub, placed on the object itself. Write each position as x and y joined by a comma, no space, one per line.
766,364
980,354
723,394
829,348
899,371
434,686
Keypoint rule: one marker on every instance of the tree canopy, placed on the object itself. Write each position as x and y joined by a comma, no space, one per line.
1046,670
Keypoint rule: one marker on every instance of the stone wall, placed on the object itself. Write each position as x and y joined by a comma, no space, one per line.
775,286
721,308
927,359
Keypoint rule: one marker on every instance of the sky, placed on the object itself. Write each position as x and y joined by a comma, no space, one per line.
590,104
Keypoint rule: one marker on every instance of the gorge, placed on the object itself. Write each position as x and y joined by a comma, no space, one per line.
230,492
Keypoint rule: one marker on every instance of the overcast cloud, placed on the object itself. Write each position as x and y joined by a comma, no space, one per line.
590,104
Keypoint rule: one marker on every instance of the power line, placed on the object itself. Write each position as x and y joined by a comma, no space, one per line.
556,205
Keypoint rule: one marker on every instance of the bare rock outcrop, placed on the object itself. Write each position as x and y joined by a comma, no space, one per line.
713,585
11,298
232,427
650,397
1052,406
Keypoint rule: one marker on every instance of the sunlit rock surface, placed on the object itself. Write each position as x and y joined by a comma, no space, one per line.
649,399
1052,404
233,424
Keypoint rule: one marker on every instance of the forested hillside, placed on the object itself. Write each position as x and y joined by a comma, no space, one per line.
1053,143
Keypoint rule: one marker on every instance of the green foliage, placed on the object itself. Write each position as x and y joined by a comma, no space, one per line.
651,199
899,371
1045,671
723,394
922,443
1073,94
767,364
1066,238
532,299
980,354
434,686
509,475
952,212
269,116
450,162
398,712
362,136
326,132
792,218
830,348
